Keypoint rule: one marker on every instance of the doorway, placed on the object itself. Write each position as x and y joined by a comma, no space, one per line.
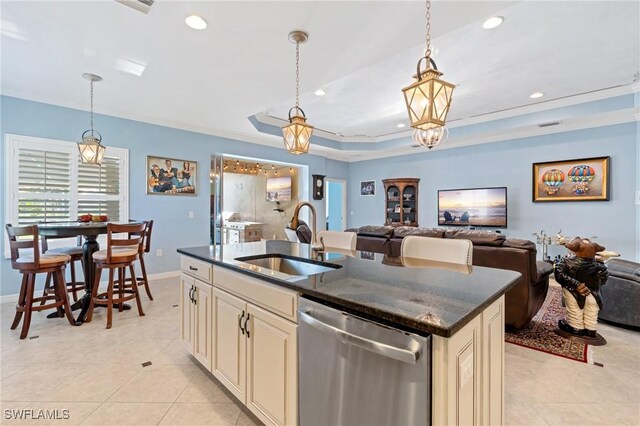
336,196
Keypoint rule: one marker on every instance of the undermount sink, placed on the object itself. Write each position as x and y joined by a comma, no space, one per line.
288,265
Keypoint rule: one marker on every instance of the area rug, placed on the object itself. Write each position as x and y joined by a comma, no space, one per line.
540,333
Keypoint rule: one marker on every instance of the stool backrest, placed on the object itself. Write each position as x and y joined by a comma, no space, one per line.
135,232
16,242
147,236
336,239
438,249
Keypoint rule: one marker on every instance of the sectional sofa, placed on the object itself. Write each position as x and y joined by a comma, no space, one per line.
489,249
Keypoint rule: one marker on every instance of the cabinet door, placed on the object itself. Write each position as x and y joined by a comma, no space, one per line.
203,333
187,318
272,383
229,342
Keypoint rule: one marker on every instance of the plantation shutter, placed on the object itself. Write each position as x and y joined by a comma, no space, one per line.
47,182
44,185
99,188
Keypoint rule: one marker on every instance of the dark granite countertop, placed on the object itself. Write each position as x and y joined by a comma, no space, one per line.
411,294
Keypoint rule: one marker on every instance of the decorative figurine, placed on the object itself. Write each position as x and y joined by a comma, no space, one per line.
581,277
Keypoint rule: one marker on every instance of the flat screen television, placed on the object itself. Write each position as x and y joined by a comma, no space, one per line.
279,188
482,207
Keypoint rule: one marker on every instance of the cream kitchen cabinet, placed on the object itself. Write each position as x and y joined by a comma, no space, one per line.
468,372
196,311
255,353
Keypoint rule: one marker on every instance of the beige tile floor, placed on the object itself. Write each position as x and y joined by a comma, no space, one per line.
96,374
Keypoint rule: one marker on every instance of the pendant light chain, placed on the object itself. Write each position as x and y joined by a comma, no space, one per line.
91,108
428,28
297,76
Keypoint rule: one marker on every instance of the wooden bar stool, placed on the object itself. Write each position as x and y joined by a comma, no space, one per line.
120,254
147,248
75,253
29,266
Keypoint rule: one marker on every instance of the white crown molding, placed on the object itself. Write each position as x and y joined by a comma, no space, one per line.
596,95
260,139
274,141
596,120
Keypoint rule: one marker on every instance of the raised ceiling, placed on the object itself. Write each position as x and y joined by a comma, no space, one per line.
362,53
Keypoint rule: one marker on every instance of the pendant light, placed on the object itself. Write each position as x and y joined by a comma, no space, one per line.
91,152
297,134
428,99
431,137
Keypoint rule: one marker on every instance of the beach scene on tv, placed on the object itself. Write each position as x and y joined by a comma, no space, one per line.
473,207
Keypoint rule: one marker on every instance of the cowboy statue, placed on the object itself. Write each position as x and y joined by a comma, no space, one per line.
581,276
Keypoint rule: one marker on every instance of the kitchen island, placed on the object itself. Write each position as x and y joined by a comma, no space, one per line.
239,319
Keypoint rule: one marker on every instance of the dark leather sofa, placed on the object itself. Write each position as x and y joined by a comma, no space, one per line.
490,249
621,294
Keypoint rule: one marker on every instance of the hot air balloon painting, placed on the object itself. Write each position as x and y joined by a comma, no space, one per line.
585,179
581,175
552,179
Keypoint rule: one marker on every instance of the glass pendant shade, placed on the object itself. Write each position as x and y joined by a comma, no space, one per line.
91,152
297,134
430,137
428,98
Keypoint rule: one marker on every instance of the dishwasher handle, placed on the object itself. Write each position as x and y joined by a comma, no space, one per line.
409,356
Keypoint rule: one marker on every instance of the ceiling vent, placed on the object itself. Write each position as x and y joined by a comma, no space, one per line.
139,5
549,124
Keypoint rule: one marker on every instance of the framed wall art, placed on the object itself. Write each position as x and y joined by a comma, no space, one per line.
585,179
171,176
368,187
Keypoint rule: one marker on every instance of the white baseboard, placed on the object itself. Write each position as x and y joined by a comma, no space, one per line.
152,277
163,275
9,298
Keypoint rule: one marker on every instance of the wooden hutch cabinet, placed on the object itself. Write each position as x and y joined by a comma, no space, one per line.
401,201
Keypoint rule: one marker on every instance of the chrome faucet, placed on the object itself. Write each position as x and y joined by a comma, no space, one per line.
295,222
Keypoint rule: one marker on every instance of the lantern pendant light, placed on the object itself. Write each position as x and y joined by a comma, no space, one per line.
91,152
428,99
297,134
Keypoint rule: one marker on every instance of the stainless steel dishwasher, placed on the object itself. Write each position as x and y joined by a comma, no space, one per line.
353,371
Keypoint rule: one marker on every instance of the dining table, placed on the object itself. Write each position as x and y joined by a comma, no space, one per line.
90,232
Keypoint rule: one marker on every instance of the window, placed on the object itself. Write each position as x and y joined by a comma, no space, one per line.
46,182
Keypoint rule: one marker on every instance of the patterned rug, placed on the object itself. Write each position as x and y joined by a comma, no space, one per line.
540,333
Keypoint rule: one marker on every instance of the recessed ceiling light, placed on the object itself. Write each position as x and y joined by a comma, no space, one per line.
493,22
536,95
320,92
196,22
400,125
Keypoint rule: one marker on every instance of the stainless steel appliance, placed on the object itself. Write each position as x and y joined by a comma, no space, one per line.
353,371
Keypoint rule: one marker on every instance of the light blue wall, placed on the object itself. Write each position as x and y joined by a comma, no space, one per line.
509,164
172,228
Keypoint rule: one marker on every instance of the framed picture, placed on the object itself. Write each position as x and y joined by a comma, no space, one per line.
171,176
585,179
368,187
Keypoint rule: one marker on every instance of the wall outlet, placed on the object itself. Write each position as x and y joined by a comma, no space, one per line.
159,252
191,215
637,198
